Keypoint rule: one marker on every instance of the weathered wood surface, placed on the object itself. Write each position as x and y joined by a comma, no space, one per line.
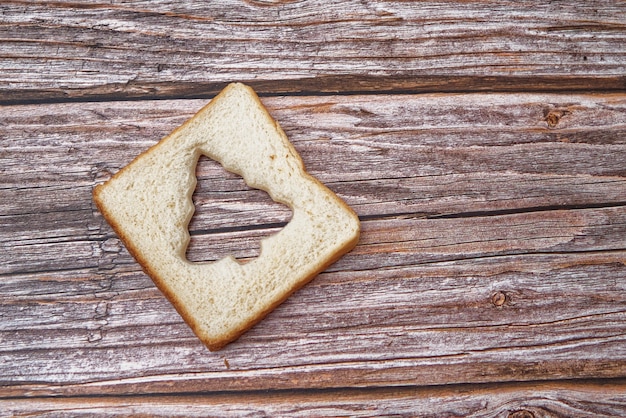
82,49
492,248
505,400
490,279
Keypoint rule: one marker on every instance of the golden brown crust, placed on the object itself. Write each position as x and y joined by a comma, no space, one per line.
145,266
223,342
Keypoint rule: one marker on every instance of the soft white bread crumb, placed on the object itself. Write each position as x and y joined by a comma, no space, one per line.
149,205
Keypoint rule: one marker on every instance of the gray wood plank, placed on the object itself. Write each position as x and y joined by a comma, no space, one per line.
77,50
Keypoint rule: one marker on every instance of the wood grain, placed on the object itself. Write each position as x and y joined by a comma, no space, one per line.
561,399
494,252
483,145
490,162
57,51
419,325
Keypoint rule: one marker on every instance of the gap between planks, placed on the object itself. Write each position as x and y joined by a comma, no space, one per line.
324,85
400,390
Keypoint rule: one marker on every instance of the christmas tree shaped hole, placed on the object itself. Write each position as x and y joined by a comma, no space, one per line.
230,217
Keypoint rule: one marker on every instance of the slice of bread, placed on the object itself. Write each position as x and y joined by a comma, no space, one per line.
148,204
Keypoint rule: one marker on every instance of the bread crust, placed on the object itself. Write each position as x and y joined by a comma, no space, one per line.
145,266
214,344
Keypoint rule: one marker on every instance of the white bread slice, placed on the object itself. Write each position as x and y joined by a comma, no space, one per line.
148,203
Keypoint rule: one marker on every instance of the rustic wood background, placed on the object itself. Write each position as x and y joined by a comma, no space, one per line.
483,145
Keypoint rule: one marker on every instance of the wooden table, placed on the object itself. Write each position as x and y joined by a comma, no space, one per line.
482,144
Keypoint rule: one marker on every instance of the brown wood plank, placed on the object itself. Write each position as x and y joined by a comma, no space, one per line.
77,50
384,243
490,279
560,316
560,399
493,249
449,155
359,138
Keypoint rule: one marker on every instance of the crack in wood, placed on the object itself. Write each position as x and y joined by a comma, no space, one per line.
321,85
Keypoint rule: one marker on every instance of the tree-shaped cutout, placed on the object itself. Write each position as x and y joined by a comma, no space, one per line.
230,217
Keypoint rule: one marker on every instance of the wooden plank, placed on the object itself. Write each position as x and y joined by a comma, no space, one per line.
553,399
392,241
493,248
79,50
450,155
561,316
447,137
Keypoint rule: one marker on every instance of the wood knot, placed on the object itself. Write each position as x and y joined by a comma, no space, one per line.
498,299
523,413
552,119
552,116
